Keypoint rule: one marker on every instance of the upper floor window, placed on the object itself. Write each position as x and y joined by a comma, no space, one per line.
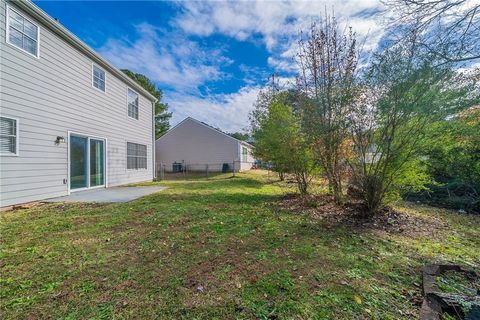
98,78
8,136
132,104
22,33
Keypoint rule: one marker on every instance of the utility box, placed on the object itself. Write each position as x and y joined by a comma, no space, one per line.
177,167
226,168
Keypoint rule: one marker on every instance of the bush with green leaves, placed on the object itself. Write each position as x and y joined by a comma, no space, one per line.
452,153
279,140
404,91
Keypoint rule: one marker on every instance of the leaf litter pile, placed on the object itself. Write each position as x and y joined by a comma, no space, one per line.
351,215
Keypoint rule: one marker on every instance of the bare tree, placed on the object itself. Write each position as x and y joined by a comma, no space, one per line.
448,28
327,60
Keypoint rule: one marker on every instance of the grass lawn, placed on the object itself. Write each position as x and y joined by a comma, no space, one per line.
219,249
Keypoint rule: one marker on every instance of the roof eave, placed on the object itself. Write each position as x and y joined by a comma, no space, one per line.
246,143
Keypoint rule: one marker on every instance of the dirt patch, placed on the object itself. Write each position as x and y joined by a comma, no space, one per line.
77,205
349,215
87,241
126,285
149,212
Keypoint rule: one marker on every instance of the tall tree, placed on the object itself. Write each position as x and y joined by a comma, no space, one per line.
162,116
328,62
239,135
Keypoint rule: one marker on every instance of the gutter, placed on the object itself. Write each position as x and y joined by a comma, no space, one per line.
40,15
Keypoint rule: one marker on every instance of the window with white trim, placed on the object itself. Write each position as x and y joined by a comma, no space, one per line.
22,33
136,156
98,78
244,154
132,104
8,136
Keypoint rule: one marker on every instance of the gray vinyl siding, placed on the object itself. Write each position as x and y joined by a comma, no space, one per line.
197,144
51,96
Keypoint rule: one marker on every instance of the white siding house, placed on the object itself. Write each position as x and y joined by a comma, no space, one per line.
69,120
196,144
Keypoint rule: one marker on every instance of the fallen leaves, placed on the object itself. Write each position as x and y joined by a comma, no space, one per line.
389,220
357,299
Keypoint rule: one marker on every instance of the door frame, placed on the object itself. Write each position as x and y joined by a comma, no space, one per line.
105,161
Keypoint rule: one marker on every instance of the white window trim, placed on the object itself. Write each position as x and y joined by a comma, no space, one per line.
128,116
105,185
126,157
7,34
96,65
244,155
17,140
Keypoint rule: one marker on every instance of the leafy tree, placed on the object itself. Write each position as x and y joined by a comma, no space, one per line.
280,140
327,60
162,116
260,114
404,92
452,150
239,135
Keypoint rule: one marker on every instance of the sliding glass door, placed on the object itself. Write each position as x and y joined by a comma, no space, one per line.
78,162
97,172
87,162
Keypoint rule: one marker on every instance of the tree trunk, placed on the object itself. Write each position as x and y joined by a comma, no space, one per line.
302,183
373,194
334,183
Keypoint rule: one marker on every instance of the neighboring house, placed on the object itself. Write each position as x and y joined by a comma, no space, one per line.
68,120
195,144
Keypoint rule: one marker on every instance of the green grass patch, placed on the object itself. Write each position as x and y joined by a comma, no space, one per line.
216,248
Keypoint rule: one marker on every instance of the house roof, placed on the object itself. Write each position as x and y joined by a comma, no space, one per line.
207,126
40,15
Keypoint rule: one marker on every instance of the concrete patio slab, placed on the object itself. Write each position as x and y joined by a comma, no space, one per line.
106,195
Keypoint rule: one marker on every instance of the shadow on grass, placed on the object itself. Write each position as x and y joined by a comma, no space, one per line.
224,183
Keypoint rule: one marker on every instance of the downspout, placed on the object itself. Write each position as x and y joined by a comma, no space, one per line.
239,155
154,168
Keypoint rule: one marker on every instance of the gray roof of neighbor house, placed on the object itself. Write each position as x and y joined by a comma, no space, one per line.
37,13
208,126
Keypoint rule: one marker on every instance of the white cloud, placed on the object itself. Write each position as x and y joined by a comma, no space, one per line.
282,64
167,58
181,66
278,23
229,112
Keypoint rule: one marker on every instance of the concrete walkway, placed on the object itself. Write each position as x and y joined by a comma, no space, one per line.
114,194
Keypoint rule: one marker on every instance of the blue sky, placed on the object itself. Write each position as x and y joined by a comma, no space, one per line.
210,58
